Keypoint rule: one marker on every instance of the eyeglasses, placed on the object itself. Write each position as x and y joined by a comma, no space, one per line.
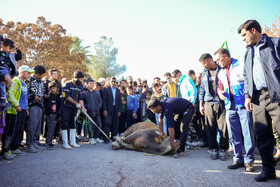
113,81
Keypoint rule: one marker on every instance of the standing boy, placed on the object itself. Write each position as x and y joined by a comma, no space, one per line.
93,104
132,107
51,110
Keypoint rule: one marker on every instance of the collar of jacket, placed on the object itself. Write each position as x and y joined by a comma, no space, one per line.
264,38
182,78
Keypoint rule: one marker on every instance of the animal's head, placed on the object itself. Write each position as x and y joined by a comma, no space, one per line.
117,144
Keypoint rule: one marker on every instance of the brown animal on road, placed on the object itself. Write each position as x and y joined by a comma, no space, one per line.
144,136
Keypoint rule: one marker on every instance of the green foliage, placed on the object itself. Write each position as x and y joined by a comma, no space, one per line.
104,62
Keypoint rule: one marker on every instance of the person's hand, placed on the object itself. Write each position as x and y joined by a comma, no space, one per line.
84,109
27,112
174,144
134,115
119,113
37,98
248,104
202,110
46,96
221,94
18,109
105,113
161,133
78,106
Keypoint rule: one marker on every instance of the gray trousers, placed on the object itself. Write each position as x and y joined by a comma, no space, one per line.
33,125
51,123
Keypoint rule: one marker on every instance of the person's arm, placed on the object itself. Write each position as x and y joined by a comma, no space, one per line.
11,95
18,55
248,103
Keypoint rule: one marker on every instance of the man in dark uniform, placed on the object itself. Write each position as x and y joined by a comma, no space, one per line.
72,100
169,108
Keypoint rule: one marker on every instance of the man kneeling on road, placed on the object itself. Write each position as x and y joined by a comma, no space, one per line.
169,108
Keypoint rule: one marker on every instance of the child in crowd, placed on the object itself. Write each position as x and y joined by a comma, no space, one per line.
8,67
158,95
93,104
52,104
132,107
122,118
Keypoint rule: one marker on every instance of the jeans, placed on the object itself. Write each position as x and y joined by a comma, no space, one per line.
240,122
33,125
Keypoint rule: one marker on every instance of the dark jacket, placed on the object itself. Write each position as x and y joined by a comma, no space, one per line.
72,90
107,99
59,87
270,60
204,92
93,102
52,104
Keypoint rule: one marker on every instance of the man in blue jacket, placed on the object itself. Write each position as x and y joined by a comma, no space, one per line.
262,90
239,120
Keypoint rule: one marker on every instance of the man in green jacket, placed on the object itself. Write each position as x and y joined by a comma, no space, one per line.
15,117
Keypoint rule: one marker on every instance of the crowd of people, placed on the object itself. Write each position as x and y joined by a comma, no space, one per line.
232,103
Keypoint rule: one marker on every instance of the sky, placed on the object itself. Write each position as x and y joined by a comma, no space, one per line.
152,36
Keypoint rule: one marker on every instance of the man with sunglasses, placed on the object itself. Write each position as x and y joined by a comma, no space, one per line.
111,100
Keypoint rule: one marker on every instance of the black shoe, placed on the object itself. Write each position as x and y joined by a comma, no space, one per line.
263,176
49,146
106,141
1,157
236,165
249,167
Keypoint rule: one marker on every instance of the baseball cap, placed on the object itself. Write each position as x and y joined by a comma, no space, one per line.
25,68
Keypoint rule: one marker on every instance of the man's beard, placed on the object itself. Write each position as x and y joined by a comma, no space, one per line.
78,82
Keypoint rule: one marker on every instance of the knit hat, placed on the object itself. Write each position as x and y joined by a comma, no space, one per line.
78,74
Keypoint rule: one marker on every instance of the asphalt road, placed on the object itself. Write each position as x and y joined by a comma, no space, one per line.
99,165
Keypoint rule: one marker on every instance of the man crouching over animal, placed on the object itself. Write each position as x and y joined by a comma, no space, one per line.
168,108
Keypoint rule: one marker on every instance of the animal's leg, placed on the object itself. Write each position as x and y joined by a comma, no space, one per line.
127,146
132,136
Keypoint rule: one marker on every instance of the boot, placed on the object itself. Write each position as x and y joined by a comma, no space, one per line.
65,139
73,139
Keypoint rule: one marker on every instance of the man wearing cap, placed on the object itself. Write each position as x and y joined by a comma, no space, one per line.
72,100
16,115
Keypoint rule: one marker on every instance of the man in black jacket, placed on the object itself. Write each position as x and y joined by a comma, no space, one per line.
262,90
111,99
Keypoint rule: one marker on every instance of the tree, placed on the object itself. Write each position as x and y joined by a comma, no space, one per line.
44,44
104,62
274,30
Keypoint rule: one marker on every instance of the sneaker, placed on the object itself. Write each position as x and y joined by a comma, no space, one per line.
197,143
179,154
8,155
223,154
17,152
92,141
188,143
32,149
249,167
98,140
49,146
85,139
39,148
214,154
